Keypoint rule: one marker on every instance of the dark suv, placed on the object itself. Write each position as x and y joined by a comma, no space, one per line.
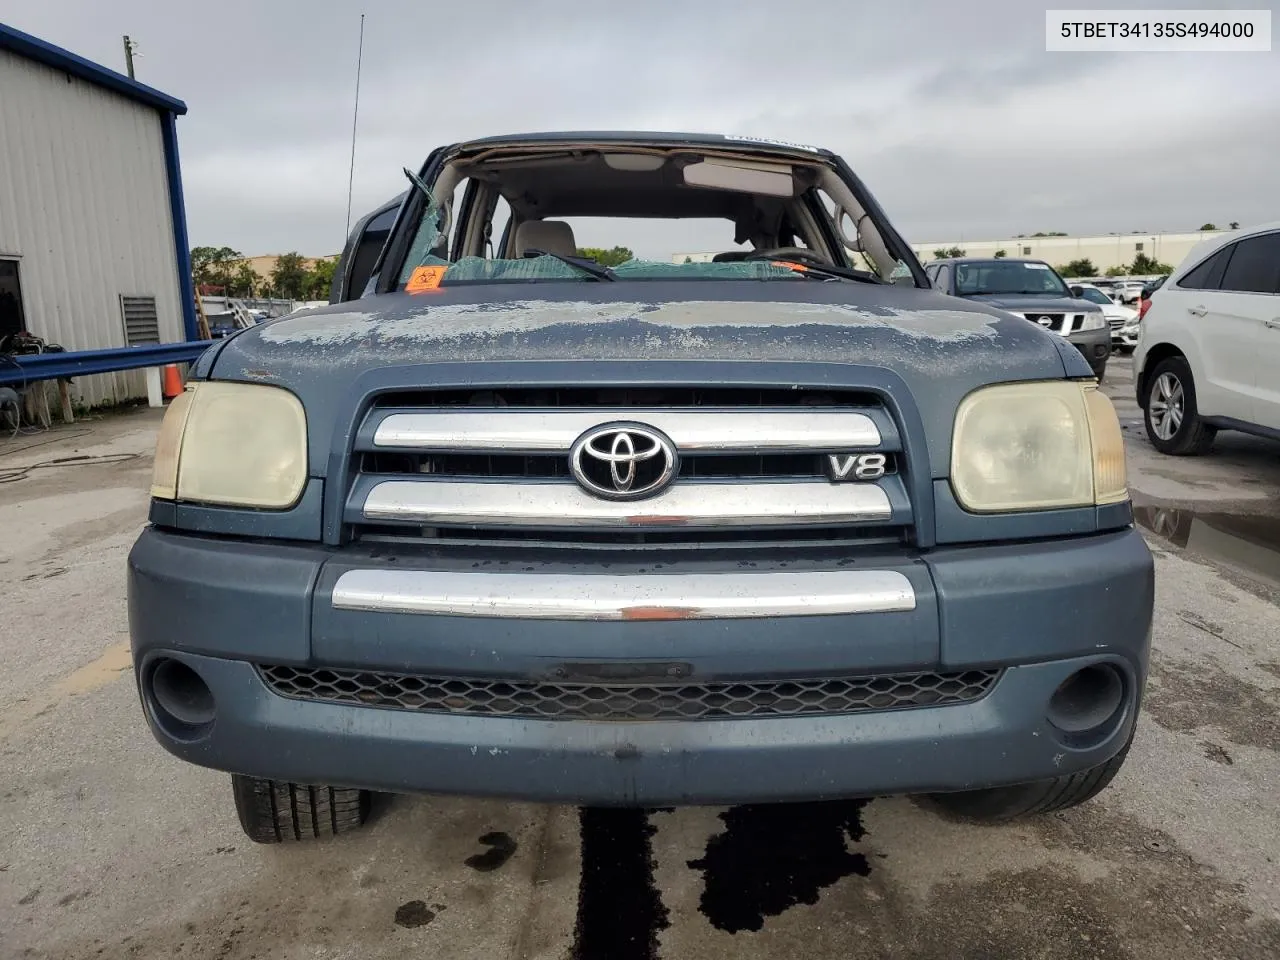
1030,289
504,521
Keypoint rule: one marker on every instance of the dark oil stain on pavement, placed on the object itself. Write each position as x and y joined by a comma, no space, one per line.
1191,695
1217,753
1249,541
620,912
416,913
501,848
771,857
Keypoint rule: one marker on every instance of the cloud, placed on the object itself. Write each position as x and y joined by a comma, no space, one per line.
954,115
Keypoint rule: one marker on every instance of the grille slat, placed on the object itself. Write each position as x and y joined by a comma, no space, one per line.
628,702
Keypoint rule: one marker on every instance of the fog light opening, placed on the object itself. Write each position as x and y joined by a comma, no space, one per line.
1087,700
181,700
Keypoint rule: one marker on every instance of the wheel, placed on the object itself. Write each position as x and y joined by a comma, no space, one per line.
1172,418
1100,371
1027,799
272,811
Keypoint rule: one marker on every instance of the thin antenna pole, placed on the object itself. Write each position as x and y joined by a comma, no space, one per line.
355,115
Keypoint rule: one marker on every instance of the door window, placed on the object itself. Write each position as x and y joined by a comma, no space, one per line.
1208,275
944,279
1254,266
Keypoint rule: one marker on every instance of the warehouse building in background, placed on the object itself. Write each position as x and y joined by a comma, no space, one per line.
1104,252
93,236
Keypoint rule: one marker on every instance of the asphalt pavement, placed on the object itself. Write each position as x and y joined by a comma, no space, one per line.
111,848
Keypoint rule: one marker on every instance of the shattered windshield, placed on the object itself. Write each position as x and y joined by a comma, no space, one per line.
427,247
578,215
478,269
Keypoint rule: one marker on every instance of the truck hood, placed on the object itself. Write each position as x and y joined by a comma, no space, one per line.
714,332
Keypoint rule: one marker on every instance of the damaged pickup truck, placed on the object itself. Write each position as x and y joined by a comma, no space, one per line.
502,521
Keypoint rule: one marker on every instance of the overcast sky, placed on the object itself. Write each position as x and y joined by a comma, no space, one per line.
952,113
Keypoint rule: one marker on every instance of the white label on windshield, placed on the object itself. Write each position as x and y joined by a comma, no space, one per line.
776,143
1037,266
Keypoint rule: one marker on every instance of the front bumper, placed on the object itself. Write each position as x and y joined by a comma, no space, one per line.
1094,346
1038,612
1126,335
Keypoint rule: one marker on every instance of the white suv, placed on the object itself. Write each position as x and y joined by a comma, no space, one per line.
1208,355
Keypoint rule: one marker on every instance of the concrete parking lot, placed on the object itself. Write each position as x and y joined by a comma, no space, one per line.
112,848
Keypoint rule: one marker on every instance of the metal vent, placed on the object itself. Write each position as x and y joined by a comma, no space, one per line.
141,323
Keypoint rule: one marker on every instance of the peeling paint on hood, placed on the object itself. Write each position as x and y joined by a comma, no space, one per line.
459,321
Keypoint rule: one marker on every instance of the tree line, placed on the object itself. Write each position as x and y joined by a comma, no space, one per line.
1141,266
291,278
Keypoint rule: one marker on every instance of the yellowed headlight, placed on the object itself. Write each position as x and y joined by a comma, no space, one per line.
1110,480
164,473
1036,446
233,444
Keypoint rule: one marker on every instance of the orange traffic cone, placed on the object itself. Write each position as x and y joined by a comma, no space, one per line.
172,381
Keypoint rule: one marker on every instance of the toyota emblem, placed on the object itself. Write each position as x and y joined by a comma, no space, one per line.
623,461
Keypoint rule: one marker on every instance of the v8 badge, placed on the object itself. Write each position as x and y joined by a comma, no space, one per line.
855,466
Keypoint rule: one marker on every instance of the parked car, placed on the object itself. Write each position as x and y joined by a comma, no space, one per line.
1209,352
1033,290
524,525
1121,320
1106,284
1128,291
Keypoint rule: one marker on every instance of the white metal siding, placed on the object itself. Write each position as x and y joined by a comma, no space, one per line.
84,199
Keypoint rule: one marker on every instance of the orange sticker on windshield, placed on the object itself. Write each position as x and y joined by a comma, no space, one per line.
790,265
424,278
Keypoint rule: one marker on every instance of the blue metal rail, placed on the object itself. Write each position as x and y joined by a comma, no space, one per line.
81,363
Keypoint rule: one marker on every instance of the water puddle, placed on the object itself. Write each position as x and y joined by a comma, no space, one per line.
1250,542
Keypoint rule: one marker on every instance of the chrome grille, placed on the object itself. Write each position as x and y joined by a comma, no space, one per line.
623,702
1054,320
498,461
1063,323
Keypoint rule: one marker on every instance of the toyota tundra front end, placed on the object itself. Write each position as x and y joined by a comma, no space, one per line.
504,521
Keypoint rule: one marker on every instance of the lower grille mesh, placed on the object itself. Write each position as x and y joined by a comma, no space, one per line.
618,701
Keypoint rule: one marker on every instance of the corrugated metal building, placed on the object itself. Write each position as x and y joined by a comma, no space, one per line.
93,237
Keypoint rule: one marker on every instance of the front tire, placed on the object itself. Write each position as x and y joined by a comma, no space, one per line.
273,811
1171,415
1000,804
